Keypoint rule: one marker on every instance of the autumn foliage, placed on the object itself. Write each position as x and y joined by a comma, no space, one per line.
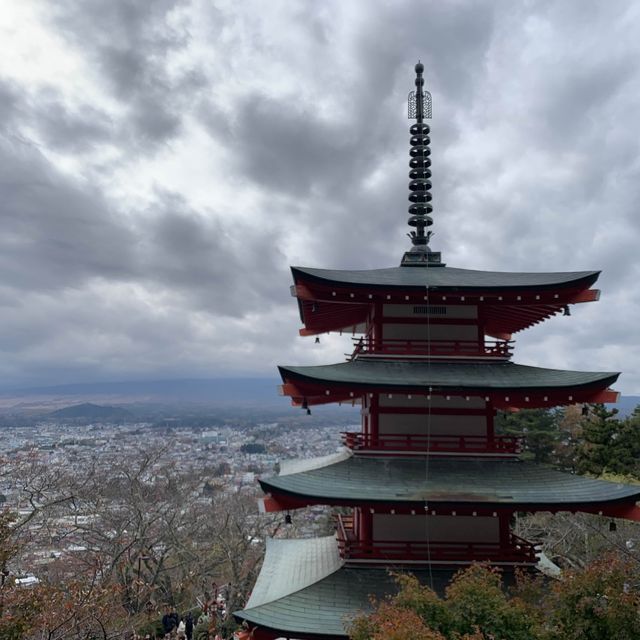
601,602
79,610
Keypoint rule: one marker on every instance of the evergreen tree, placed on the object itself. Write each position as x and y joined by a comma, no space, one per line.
600,430
540,428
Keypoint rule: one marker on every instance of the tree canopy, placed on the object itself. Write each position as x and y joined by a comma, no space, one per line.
601,602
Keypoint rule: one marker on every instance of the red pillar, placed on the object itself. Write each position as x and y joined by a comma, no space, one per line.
490,414
366,529
377,326
505,529
374,418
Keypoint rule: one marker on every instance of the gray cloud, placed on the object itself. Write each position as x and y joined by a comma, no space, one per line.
292,119
74,131
57,232
129,45
228,269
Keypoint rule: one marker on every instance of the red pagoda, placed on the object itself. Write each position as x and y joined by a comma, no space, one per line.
427,484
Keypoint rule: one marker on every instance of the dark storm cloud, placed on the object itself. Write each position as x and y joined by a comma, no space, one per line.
59,232
292,151
59,126
229,269
85,294
451,38
9,99
56,231
69,130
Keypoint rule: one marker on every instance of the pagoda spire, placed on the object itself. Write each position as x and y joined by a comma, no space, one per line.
420,186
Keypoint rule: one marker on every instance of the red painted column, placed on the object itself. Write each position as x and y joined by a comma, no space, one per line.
377,326
482,338
366,529
505,529
374,418
490,414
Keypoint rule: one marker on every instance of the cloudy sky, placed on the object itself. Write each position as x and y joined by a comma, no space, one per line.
162,163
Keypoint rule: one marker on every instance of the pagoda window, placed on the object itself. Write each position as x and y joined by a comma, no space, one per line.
434,424
400,331
436,402
409,528
467,312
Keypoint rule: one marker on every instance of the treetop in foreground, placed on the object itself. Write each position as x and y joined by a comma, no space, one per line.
601,602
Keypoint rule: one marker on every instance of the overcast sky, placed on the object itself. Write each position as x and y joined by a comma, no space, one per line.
162,163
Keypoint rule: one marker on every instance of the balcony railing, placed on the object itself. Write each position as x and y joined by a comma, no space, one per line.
407,442
518,550
497,349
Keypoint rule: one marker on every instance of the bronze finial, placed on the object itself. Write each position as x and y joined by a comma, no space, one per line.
420,174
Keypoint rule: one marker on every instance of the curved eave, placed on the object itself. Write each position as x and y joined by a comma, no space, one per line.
443,279
486,484
323,317
504,384
323,609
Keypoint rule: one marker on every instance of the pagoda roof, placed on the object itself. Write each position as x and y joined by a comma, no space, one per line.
312,382
292,565
480,482
305,590
446,278
333,300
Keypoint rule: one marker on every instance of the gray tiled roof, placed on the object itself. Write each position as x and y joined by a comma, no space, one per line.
388,373
297,465
325,606
447,278
293,565
447,480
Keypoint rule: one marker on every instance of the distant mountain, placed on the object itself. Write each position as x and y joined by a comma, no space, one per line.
626,405
251,394
160,399
213,391
90,411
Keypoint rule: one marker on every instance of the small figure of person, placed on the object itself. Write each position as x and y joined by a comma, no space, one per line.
168,622
188,626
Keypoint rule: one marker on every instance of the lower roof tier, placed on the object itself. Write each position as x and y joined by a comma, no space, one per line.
349,480
305,591
505,383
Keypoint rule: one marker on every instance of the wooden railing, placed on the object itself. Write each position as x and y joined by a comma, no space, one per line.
358,441
518,551
344,530
439,348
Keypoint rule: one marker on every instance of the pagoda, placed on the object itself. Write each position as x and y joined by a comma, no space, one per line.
426,485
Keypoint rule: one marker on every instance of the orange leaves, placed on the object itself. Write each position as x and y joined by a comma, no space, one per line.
392,622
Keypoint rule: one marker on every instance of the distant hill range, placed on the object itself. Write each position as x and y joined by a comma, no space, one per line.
251,394
90,411
225,393
626,405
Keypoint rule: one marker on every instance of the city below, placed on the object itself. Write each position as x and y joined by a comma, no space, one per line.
213,453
